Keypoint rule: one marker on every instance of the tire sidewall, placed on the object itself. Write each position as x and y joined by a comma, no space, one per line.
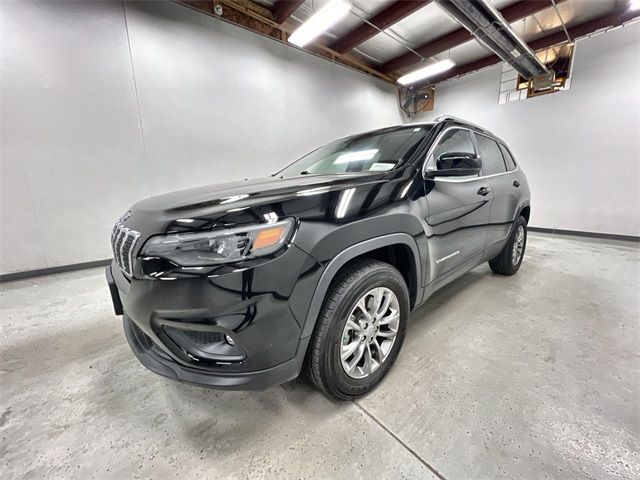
521,222
380,277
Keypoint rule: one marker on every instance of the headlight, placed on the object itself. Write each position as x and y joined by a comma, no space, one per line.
220,246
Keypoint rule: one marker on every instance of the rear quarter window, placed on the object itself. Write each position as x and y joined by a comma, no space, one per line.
508,158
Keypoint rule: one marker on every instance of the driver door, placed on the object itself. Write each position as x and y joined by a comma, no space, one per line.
458,206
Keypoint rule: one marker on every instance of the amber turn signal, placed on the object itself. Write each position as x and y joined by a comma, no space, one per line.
268,237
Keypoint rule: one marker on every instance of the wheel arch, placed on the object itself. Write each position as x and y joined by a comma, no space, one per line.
524,210
393,242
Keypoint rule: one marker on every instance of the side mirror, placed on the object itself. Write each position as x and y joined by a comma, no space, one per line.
456,164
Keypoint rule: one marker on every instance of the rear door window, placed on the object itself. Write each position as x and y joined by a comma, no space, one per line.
492,161
508,159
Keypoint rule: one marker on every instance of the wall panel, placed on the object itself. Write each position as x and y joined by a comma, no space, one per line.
88,128
580,148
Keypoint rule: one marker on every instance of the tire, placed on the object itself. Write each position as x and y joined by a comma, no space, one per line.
507,262
358,287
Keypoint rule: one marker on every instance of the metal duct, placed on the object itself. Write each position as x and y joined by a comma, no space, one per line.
488,26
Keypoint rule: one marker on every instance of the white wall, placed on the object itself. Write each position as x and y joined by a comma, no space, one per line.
98,112
580,148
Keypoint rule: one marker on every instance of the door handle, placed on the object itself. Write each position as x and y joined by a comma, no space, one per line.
483,191
516,183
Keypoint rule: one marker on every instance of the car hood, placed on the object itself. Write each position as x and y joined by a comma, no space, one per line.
226,196
243,202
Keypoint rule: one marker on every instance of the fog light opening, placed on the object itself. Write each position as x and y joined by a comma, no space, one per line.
229,340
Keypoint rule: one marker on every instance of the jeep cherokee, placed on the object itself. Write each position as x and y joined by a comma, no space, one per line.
241,285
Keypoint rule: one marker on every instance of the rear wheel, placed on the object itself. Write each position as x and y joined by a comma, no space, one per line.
510,258
360,329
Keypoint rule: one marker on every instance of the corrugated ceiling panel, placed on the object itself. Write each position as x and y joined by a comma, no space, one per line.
430,22
573,12
366,9
421,27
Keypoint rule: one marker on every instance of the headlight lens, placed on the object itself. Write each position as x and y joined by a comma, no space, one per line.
220,246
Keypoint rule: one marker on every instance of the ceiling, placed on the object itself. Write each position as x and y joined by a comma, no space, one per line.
429,22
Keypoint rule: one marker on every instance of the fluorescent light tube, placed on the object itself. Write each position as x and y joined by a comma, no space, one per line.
425,72
320,22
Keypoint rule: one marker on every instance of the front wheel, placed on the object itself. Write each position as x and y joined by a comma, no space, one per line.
510,258
360,329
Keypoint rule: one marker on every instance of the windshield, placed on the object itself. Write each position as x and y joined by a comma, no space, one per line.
380,151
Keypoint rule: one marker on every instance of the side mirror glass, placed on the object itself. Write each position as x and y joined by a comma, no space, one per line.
456,164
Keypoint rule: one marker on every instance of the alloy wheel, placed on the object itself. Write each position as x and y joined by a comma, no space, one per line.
370,332
518,246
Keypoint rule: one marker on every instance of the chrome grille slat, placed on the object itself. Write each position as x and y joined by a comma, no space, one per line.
135,240
123,241
119,240
120,245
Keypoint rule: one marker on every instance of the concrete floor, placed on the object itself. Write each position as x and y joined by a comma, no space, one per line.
533,376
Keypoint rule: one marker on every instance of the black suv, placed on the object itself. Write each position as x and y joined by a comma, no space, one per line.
241,285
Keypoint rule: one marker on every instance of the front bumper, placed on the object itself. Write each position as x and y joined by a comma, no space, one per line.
155,360
240,330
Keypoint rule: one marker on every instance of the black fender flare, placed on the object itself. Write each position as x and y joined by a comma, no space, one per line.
349,254
521,207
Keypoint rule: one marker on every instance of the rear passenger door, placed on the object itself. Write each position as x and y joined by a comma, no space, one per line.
504,185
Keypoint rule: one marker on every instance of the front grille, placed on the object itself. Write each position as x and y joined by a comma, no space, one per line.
123,240
197,338
203,346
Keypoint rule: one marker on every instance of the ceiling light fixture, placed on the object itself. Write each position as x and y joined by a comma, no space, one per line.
320,22
426,72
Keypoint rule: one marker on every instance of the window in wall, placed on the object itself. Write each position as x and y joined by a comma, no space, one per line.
558,60
490,155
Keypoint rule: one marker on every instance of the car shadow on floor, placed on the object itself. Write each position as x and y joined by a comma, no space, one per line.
126,391
454,291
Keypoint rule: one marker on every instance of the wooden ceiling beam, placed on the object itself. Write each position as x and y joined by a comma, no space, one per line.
610,20
512,13
251,16
283,9
384,19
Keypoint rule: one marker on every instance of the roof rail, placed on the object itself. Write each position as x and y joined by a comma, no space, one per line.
443,118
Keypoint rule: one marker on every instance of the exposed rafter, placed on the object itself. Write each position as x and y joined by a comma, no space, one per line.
383,19
259,19
610,20
512,13
282,9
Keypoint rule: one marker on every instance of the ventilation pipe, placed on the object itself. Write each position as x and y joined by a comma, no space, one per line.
491,29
